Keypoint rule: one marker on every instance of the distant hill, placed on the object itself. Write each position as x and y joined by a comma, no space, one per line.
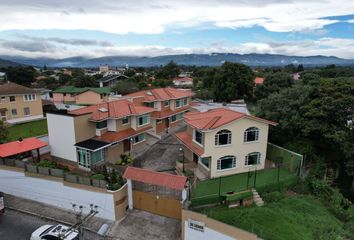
7,63
214,59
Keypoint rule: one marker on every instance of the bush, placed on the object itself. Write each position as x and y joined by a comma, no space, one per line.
272,197
98,176
124,160
302,188
47,163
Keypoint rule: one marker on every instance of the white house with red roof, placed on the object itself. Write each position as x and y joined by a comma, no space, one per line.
224,142
184,81
98,133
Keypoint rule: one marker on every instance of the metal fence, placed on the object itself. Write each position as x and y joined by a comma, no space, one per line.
54,172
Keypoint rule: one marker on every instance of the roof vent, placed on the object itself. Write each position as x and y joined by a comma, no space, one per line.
149,93
103,110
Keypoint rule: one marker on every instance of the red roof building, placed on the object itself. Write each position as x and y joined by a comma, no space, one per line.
17,147
258,80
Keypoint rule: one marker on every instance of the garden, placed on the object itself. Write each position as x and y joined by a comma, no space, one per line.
29,129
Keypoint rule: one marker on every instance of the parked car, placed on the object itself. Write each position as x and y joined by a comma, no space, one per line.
55,232
2,203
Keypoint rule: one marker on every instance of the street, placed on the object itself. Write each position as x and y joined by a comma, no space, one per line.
19,226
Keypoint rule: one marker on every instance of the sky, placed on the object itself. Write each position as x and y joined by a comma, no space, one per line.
92,28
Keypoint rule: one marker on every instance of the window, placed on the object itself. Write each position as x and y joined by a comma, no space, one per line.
26,111
100,125
178,103
251,134
125,120
166,103
84,157
29,97
149,104
185,101
14,111
12,99
158,121
223,137
97,156
143,120
205,161
253,159
2,99
139,138
176,117
198,136
226,162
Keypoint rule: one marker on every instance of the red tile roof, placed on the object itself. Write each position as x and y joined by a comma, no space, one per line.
183,79
121,135
155,178
115,109
258,80
167,113
16,147
217,117
186,139
162,94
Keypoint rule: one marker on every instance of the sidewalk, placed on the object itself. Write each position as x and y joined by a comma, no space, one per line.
51,213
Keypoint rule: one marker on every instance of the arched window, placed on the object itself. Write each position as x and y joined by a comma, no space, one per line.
251,134
223,137
253,158
226,162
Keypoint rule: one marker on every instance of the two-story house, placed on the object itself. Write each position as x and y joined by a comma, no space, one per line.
169,103
224,142
98,133
81,96
19,103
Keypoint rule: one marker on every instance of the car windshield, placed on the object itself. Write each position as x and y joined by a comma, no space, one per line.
47,230
49,237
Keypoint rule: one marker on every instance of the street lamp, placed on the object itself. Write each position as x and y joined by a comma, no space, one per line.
130,145
181,150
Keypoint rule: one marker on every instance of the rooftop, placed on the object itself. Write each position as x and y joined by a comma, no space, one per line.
76,90
161,94
258,80
186,139
203,106
13,88
112,136
91,144
218,117
115,109
17,147
111,77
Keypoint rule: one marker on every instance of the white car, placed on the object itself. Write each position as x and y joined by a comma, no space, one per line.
54,232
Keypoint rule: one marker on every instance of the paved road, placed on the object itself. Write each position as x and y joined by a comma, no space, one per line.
19,226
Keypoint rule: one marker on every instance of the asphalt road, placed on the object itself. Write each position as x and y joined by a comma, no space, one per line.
19,226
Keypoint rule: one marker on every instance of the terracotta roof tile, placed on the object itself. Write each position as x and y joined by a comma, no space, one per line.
167,113
16,147
258,80
186,139
161,94
112,137
155,178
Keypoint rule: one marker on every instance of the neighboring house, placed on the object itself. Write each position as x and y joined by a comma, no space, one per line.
110,80
19,103
103,68
183,82
45,93
98,133
169,103
2,76
203,106
81,96
258,80
224,142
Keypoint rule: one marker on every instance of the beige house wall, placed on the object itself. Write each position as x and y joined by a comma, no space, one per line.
120,198
237,148
89,97
114,152
84,129
58,97
19,104
121,126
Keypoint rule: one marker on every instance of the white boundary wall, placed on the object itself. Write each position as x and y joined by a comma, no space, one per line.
55,193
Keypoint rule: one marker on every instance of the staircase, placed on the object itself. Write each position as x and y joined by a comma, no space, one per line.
257,199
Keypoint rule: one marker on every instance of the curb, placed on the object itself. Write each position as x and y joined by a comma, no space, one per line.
47,218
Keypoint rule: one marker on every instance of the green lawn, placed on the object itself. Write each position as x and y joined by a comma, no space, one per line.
292,218
210,188
30,129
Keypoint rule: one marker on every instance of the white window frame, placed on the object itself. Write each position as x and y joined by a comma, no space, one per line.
251,129
168,103
194,134
222,132
144,138
24,112
126,122
13,113
180,103
29,97
148,120
103,127
185,99
258,158
87,158
218,163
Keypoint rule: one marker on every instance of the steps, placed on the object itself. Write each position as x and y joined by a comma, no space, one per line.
257,199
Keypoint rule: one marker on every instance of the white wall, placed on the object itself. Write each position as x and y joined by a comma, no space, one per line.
208,234
61,134
55,193
112,124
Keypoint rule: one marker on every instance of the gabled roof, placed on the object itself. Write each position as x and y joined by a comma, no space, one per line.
115,109
16,147
258,80
111,77
162,94
186,139
112,137
76,90
168,112
13,88
183,79
218,117
155,178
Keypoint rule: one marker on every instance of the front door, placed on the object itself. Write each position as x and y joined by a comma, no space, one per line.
195,158
167,122
126,145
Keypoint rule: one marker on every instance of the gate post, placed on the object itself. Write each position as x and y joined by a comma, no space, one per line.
130,193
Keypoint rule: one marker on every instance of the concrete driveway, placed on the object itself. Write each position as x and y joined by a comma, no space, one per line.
143,225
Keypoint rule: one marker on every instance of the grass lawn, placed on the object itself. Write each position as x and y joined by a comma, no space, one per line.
238,182
292,218
29,129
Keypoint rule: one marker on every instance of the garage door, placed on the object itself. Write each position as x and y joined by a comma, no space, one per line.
155,204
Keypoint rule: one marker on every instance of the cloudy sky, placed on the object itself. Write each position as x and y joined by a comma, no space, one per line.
65,28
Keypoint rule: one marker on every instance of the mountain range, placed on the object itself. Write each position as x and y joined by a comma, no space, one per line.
213,59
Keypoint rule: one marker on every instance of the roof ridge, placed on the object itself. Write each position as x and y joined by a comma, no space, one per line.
168,92
212,122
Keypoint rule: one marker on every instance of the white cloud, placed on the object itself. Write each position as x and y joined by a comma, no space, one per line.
154,16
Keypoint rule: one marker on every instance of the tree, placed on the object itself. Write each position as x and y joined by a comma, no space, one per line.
168,71
273,83
233,81
4,133
21,75
300,68
125,87
84,81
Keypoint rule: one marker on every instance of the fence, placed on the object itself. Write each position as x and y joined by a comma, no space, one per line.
54,172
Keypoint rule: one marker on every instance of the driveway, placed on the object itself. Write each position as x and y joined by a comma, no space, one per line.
143,225
162,155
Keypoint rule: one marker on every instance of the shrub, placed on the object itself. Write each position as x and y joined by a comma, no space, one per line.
124,160
47,163
272,197
98,176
